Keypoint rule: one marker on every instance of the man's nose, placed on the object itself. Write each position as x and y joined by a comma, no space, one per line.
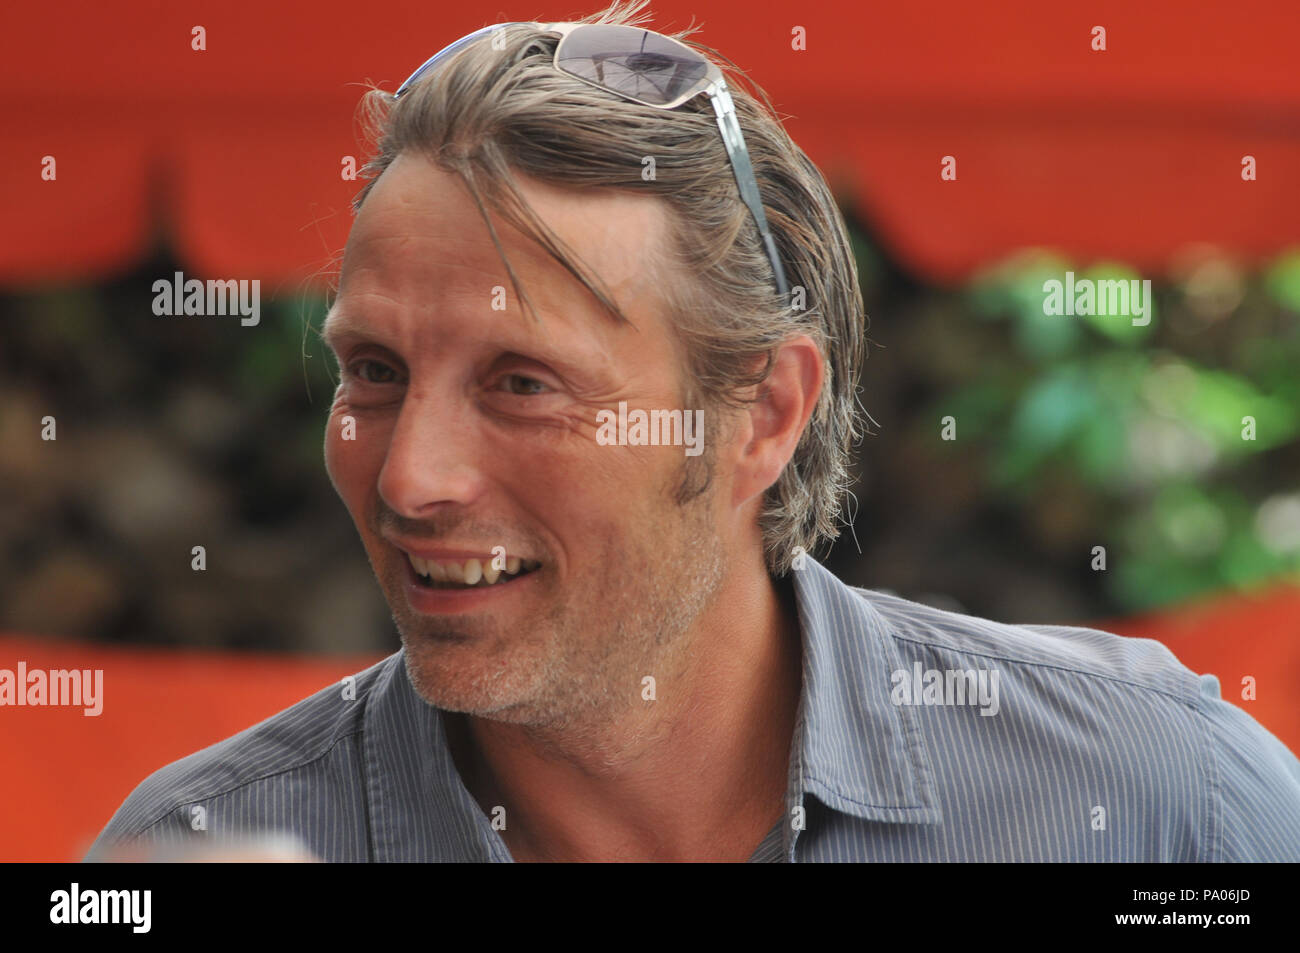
432,456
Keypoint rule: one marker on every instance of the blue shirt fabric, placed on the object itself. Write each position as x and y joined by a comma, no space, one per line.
1084,746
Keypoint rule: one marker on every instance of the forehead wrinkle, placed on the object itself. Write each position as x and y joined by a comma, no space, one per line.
607,230
380,269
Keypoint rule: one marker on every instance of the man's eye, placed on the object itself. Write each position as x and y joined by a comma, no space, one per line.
521,385
373,372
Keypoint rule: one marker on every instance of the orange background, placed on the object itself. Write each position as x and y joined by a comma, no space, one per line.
237,151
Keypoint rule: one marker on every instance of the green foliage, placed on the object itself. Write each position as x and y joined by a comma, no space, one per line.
1175,438
1283,280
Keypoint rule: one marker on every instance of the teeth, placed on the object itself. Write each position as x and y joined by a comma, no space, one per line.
473,572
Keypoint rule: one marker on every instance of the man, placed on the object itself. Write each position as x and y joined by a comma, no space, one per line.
590,422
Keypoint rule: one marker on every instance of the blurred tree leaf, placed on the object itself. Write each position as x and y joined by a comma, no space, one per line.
1219,402
1052,409
1283,280
1120,327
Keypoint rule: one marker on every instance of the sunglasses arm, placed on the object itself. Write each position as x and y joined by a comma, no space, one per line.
729,126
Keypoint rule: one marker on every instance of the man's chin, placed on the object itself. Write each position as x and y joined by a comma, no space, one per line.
450,670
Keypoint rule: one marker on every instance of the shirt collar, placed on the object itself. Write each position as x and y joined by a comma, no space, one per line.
419,809
856,751
853,749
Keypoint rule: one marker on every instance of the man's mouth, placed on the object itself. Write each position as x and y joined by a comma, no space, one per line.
469,573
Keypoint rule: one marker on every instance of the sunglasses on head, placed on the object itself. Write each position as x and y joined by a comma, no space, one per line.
651,69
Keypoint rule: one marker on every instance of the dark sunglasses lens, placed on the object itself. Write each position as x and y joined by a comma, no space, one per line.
635,63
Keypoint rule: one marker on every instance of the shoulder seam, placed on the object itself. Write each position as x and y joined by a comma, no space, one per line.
167,811
1187,698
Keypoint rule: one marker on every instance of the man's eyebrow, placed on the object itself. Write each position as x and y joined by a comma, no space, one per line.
340,326
337,326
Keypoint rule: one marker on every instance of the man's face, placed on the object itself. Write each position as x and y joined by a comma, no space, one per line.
474,428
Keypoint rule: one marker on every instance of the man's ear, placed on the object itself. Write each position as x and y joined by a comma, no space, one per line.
776,419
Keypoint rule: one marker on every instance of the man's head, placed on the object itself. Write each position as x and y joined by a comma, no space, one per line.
474,412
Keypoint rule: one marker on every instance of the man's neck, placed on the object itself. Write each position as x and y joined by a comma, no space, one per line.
700,773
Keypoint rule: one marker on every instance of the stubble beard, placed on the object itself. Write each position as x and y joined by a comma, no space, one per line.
581,666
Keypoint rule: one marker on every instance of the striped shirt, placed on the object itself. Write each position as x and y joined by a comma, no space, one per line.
921,735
